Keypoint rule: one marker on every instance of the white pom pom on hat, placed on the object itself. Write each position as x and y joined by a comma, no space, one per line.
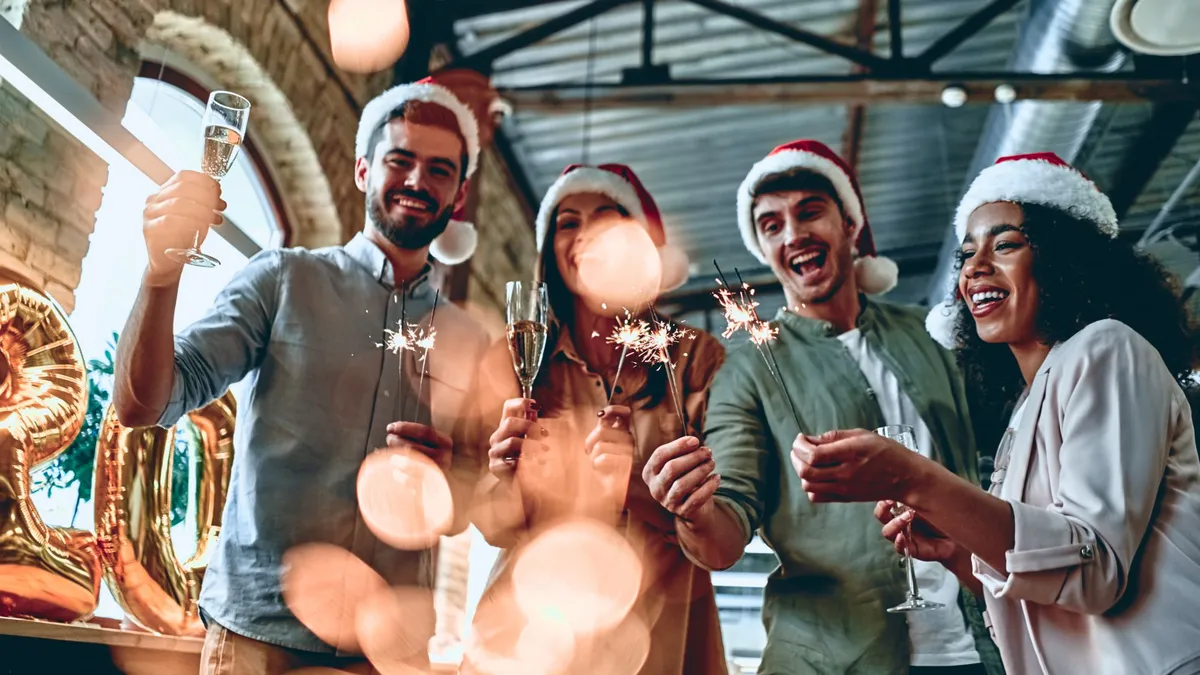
620,184
940,323
874,274
455,245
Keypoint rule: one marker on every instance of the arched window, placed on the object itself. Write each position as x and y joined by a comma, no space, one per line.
164,112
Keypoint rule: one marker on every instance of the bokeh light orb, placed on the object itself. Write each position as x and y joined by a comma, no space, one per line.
404,498
324,586
619,267
367,36
394,628
581,571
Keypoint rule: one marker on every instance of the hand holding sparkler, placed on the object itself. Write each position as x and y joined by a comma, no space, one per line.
611,446
681,477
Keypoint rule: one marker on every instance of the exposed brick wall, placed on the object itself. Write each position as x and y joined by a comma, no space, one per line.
507,251
50,187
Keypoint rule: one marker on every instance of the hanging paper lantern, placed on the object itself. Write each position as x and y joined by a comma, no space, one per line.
367,35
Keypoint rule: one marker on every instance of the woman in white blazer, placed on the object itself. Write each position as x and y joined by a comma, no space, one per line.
1086,548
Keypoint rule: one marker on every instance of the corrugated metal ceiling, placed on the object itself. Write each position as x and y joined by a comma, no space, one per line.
913,159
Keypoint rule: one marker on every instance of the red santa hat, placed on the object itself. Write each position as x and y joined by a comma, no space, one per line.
1041,178
874,274
457,243
620,184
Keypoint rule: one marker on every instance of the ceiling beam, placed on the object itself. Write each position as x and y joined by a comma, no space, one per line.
855,88
856,114
895,29
482,59
963,31
859,56
1158,136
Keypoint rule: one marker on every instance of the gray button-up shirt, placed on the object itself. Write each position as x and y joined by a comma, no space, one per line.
306,326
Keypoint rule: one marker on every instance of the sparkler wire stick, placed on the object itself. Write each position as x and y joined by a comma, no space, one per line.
760,335
628,333
663,348
403,319
426,343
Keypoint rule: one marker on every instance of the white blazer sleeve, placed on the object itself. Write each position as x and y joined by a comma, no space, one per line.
1119,403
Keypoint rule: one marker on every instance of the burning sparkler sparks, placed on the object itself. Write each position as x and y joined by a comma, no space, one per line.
655,347
738,315
411,337
741,313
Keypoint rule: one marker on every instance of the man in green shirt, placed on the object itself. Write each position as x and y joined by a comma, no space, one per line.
848,362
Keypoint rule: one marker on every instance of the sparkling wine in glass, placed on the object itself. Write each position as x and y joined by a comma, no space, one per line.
904,435
225,120
526,310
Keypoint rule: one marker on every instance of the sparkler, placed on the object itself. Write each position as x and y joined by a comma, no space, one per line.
655,347
425,342
628,333
411,338
741,313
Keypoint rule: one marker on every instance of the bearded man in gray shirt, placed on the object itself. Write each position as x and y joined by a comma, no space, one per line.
306,327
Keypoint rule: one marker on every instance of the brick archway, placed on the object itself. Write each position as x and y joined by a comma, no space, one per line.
281,137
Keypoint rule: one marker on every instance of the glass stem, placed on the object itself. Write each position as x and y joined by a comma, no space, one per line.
911,572
196,241
526,390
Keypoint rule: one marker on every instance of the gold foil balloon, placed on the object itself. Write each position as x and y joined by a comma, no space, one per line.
133,516
45,572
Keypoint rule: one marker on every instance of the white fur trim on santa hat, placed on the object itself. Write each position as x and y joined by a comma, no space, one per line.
586,179
782,162
876,275
940,323
455,245
377,111
1036,181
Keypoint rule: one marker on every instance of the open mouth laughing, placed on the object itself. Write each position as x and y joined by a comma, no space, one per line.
809,260
985,299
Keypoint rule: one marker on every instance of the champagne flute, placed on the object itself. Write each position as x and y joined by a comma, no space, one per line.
526,310
904,435
225,120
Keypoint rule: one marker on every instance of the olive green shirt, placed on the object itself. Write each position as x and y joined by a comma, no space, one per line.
824,607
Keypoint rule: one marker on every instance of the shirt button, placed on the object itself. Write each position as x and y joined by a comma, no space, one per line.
1086,552
871,393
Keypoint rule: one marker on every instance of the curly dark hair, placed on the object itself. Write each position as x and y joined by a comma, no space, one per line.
1083,276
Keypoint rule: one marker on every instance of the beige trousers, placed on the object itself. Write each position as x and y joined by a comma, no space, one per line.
227,653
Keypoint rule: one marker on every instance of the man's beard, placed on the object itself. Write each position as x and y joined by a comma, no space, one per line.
406,232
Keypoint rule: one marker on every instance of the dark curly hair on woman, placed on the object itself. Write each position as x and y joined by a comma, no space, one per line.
1083,276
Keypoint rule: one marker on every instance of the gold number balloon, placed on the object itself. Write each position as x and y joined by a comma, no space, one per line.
45,572
133,516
